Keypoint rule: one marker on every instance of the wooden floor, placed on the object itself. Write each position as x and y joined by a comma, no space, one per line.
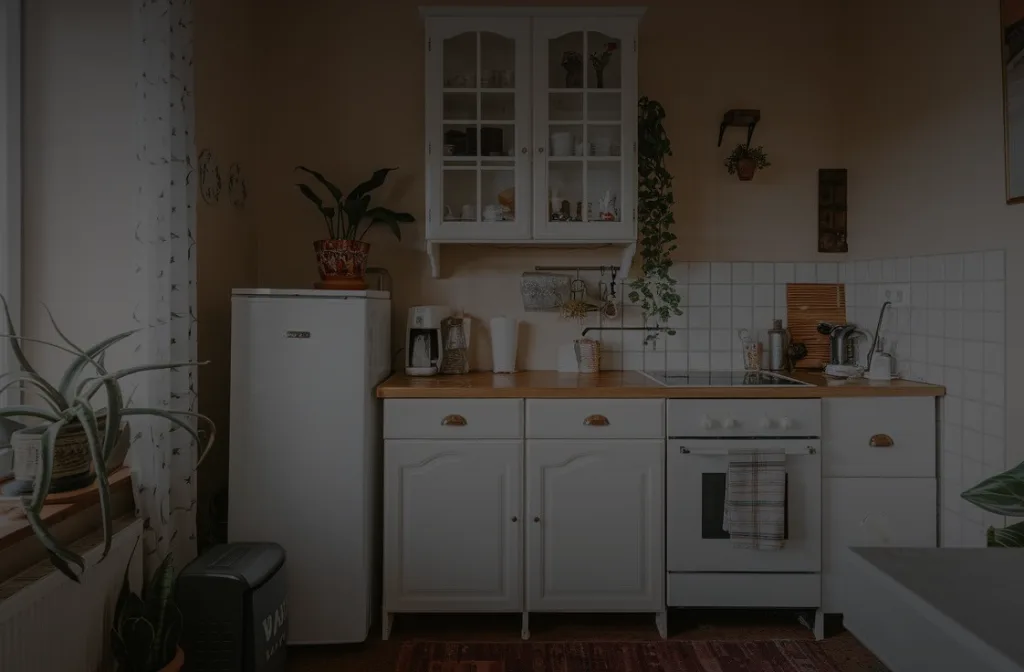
379,656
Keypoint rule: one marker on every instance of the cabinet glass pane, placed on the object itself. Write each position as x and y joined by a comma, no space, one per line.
604,106
604,140
566,63
460,140
498,107
460,61
604,62
459,107
565,190
604,190
497,140
497,193
497,61
564,107
460,194
565,140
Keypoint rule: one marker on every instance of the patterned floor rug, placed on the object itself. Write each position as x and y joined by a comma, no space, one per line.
661,656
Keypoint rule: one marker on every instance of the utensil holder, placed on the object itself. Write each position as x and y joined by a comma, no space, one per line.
588,355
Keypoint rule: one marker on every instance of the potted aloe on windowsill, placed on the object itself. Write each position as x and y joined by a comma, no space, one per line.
1003,495
70,423
341,257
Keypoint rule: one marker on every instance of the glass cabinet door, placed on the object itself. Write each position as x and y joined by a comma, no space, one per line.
585,99
478,111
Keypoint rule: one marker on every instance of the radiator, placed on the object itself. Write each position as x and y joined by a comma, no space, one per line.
49,623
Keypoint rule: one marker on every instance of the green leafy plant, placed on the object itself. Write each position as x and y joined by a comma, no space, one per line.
1003,495
746,153
655,290
67,406
146,629
350,217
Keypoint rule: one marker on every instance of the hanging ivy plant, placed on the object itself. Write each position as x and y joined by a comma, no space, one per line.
655,289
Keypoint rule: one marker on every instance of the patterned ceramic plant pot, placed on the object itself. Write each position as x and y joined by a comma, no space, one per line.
72,463
746,168
342,263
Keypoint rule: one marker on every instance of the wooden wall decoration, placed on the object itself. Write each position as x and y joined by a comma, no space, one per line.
806,306
832,210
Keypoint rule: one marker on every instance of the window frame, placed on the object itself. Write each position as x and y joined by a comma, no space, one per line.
10,175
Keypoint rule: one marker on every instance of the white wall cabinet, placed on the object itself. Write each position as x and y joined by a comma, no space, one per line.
879,489
595,539
452,526
527,141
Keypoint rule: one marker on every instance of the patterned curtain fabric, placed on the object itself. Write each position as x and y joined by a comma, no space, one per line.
163,457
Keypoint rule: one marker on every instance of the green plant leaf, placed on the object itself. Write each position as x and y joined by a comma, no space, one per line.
21,377
159,598
28,412
172,417
355,211
376,180
330,186
1011,536
96,351
87,418
389,217
1002,494
13,337
92,385
44,471
62,558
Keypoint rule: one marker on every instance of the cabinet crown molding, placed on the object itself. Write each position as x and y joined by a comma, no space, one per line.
547,12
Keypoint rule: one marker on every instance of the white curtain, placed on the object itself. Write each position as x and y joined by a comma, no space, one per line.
163,458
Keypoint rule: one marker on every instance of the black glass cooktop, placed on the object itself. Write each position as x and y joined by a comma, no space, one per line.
720,378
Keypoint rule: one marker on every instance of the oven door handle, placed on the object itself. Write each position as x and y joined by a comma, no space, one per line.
724,452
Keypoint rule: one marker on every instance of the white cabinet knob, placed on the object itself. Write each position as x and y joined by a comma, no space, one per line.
767,423
786,423
731,423
707,423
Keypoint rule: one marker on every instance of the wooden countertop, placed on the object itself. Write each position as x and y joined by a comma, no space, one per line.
630,385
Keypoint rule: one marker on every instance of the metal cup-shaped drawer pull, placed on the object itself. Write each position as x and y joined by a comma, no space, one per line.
881,441
596,420
454,420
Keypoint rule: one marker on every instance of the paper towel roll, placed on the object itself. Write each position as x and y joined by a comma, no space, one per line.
504,341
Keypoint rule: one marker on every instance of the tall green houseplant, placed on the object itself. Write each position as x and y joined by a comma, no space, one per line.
1003,495
655,290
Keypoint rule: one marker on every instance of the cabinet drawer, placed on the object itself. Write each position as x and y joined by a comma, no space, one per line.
595,418
453,418
879,437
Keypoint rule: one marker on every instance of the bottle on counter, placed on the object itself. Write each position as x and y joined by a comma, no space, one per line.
777,347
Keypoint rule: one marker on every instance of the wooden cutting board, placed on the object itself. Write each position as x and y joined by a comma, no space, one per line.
806,306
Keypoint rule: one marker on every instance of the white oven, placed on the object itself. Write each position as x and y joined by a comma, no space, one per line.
696,505
705,569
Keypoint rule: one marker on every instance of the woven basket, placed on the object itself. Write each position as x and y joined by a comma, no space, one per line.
71,458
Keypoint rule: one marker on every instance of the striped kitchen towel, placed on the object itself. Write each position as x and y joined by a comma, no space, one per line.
755,499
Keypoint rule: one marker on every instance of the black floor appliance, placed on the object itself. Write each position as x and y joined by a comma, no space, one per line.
234,604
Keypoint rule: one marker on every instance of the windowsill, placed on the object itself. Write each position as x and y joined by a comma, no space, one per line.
14,526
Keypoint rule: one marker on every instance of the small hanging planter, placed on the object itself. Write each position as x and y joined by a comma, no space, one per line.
745,161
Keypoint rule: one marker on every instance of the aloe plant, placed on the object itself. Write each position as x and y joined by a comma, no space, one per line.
1003,495
146,629
345,217
68,405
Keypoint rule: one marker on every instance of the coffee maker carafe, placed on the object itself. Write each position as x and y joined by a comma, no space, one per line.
424,343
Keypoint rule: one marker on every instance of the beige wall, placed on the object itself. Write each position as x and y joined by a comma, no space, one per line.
351,101
924,134
227,110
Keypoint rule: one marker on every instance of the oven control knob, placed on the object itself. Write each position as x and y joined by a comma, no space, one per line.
707,423
767,423
731,423
786,423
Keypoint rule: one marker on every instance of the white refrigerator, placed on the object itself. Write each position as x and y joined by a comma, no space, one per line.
306,447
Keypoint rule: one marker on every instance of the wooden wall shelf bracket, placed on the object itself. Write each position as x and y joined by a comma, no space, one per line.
742,118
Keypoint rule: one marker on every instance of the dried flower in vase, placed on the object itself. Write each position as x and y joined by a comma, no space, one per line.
572,61
600,60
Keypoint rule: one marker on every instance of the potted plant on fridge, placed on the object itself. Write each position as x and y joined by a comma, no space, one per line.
341,257
746,160
147,628
71,426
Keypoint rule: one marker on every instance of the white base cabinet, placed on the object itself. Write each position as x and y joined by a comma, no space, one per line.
452,526
596,529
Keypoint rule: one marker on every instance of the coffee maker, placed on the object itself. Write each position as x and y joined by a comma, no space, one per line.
424,341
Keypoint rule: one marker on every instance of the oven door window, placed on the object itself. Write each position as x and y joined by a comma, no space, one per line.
712,506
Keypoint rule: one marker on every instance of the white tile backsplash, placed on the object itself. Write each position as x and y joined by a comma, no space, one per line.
953,333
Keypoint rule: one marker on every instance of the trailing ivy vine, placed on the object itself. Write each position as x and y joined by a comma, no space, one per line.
655,289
